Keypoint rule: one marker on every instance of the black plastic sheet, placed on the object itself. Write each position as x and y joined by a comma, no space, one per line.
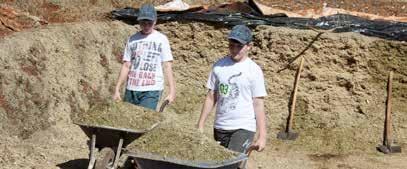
337,23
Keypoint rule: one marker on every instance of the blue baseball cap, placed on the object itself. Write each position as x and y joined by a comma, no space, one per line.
241,33
147,12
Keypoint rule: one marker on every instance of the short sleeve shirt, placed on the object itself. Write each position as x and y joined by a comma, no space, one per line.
236,84
146,54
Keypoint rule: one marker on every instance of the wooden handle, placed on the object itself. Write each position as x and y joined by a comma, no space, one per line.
294,96
249,151
389,130
165,103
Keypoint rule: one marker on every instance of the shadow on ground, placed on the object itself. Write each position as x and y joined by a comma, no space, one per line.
74,164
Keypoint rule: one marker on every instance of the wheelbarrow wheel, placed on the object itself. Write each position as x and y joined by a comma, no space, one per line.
105,159
129,164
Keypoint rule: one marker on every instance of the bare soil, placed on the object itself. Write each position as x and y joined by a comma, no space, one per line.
376,7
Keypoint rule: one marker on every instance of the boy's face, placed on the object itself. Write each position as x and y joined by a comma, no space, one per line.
237,50
147,26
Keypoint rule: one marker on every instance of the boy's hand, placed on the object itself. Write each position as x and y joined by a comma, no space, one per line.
170,98
260,144
116,96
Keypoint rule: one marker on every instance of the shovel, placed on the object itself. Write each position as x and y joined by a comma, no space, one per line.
388,146
288,133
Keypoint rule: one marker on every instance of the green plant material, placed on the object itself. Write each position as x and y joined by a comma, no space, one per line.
181,143
119,115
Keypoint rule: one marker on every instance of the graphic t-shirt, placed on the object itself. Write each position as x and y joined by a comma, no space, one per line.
146,54
236,84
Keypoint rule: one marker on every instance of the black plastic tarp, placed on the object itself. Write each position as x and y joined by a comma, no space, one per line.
337,23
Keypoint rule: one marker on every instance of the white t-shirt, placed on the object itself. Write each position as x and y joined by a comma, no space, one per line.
236,84
146,54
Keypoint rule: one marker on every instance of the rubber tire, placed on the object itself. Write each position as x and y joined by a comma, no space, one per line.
128,164
105,156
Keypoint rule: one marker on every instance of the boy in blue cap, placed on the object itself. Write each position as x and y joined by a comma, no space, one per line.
145,54
236,85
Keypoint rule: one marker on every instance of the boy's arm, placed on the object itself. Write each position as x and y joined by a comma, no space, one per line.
171,82
122,77
209,103
258,103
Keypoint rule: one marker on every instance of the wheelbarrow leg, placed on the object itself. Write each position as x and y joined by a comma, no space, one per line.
93,150
118,153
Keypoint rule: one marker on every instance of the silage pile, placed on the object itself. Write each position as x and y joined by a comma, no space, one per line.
341,95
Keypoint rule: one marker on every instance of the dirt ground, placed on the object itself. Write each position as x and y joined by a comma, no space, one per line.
17,15
49,72
377,7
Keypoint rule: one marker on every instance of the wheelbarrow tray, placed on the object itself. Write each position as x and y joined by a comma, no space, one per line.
110,136
152,161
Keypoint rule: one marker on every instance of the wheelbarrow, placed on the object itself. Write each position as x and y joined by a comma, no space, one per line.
152,161
110,141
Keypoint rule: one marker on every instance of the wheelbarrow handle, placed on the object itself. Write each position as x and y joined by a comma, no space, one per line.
248,152
250,149
165,103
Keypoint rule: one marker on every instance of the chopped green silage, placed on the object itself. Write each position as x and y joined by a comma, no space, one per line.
181,143
119,115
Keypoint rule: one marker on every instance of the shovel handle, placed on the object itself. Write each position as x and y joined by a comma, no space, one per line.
294,96
165,103
388,136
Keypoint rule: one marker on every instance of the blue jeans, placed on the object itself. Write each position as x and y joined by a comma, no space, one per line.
147,99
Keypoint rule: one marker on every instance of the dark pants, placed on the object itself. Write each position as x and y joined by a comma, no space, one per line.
236,140
148,99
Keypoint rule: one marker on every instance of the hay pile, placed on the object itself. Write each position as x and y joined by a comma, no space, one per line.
119,115
182,143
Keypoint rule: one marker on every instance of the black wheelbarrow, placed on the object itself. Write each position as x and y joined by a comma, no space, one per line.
152,161
107,143
110,141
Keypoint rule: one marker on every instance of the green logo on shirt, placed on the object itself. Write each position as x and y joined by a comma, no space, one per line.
224,89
